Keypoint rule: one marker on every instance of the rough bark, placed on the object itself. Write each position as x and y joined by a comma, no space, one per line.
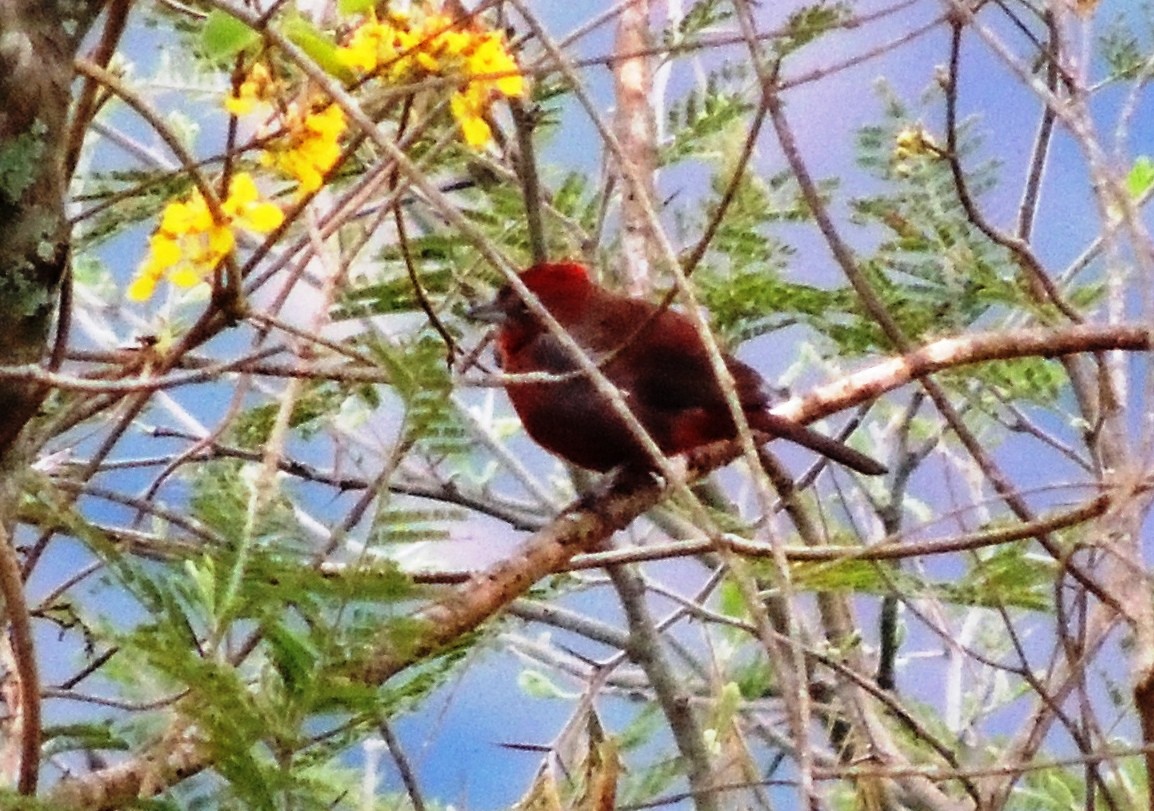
38,43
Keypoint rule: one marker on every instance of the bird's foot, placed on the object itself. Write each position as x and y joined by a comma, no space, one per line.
617,481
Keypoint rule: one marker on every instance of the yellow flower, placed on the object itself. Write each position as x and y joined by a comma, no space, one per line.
404,49
245,206
258,86
470,118
189,243
915,140
164,249
310,147
490,57
376,45
363,50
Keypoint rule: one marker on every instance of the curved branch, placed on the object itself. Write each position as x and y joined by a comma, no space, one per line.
963,350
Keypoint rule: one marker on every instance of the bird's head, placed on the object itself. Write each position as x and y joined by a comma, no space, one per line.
562,288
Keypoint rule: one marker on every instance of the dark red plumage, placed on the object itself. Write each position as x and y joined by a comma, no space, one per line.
663,372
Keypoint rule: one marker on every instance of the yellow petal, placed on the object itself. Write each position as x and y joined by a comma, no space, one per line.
330,122
309,178
239,105
220,243
476,131
363,49
176,218
361,58
142,288
321,154
511,86
263,217
163,251
455,43
199,217
241,191
185,276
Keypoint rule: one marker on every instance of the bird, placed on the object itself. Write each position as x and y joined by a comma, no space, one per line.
652,354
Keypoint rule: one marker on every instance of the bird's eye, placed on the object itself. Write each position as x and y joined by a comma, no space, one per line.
512,304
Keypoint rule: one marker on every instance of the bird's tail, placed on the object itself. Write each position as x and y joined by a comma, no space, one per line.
820,443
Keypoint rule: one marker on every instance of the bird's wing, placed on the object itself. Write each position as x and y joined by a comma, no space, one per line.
670,371
545,353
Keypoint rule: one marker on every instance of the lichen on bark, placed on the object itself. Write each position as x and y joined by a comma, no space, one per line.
38,43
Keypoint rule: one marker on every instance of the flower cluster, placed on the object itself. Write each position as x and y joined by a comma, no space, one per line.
404,48
306,143
302,138
913,142
258,86
190,243
310,145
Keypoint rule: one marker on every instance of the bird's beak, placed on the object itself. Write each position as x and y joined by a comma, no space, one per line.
489,312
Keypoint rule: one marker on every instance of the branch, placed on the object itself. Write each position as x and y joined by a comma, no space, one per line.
964,350
582,528
36,52
636,130
645,649
24,710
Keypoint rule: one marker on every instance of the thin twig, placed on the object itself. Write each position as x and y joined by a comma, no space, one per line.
26,716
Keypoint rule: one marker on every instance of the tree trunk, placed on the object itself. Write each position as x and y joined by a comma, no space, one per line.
38,43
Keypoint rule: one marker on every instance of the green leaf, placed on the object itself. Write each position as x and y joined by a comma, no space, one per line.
536,684
355,6
224,36
420,378
82,737
698,20
313,411
1007,576
810,23
1121,50
394,525
1141,176
320,46
292,656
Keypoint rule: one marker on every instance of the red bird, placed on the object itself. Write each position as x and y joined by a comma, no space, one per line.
663,373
